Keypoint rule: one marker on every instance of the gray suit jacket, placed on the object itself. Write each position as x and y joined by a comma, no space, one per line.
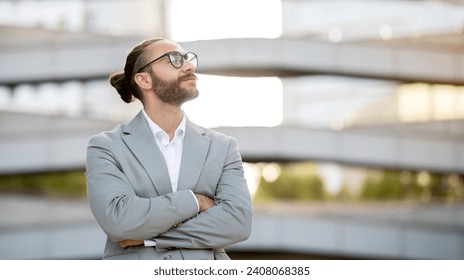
129,192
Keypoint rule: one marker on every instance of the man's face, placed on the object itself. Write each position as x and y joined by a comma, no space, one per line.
172,85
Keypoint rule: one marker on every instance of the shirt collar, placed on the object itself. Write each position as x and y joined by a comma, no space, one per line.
156,130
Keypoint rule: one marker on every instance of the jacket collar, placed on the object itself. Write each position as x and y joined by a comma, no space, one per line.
139,140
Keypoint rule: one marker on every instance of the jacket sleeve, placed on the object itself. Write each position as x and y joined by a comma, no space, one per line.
226,223
119,211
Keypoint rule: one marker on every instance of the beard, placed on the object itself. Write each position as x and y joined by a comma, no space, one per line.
171,92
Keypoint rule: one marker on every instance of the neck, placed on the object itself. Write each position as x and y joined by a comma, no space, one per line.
167,117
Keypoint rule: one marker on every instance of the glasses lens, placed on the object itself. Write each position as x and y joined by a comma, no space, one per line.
176,59
192,58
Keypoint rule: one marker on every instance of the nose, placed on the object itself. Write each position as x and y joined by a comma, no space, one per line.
188,66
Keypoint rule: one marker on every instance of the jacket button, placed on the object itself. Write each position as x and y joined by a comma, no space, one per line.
168,257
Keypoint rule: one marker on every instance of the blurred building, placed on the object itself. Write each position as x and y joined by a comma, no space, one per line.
362,83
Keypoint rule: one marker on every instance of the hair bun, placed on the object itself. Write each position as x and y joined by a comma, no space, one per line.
119,82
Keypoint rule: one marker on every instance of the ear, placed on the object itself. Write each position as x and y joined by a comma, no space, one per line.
143,80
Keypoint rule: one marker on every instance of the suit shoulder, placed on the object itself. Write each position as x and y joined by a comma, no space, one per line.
107,136
218,135
222,139
120,129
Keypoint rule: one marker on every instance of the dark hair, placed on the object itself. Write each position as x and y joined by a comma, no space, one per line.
123,81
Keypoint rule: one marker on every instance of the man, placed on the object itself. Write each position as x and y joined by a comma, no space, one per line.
160,186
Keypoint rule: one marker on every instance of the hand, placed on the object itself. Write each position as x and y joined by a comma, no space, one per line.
127,243
204,202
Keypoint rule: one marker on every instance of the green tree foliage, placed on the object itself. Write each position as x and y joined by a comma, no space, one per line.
406,185
387,187
62,184
296,182
300,181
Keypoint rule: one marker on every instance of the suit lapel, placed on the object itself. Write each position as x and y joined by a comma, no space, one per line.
195,150
139,139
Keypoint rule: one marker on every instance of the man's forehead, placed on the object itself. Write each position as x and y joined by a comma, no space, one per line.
164,46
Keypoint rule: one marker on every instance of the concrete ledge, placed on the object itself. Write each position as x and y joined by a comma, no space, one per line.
67,60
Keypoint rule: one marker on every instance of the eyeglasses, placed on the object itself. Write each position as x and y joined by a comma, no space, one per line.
176,59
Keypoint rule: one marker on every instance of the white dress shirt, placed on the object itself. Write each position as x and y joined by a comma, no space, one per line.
172,152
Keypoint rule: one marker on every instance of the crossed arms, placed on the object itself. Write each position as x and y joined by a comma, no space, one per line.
204,203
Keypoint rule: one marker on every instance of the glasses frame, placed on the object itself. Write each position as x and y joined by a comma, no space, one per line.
183,57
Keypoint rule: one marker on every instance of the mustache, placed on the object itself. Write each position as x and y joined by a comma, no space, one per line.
188,76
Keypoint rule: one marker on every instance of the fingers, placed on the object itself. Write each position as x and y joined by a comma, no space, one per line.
204,202
127,243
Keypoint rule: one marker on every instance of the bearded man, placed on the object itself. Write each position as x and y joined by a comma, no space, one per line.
160,186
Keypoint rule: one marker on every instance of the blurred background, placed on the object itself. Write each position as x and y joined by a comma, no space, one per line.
349,116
